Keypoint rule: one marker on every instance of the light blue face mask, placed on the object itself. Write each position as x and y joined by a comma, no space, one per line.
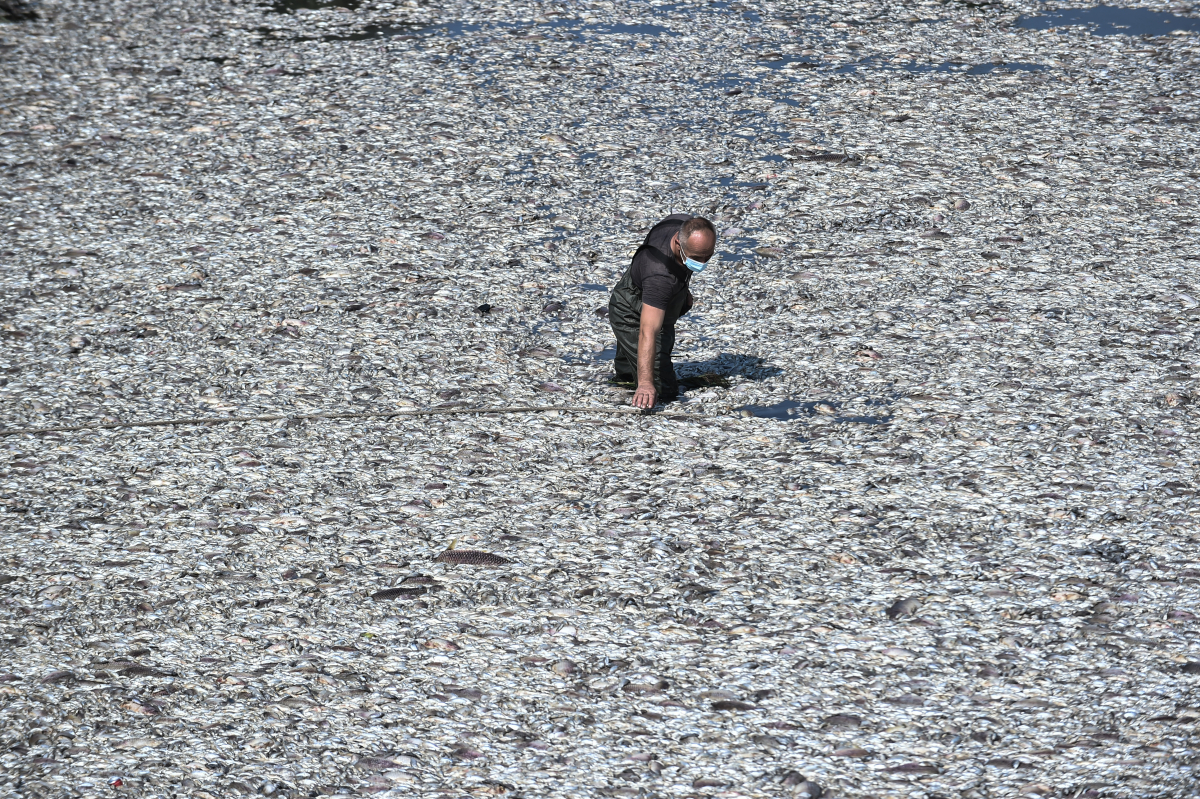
695,266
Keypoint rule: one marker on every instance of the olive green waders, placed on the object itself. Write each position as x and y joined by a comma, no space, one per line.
625,315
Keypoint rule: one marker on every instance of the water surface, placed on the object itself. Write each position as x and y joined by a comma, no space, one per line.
1113,21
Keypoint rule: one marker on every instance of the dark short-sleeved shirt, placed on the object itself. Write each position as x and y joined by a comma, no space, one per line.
655,270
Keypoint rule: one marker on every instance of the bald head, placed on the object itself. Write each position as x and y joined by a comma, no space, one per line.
699,238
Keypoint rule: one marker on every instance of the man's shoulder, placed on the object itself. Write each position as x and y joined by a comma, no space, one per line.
649,255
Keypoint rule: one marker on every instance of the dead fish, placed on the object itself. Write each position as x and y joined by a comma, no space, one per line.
399,593
471,557
483,310
708,782
832,158
442,644
804,787
903,607
552,307
934,234
842,721
692,591
914,768
473,694
138,670
851,753
898,653
58,676
729,704
655,687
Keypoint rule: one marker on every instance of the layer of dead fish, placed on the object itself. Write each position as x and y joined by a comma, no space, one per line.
958,558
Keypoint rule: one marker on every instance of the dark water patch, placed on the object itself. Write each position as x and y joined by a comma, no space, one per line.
1112,21
367,33
787,61
788,409
592,287
292,6
744,251
454,30
1013,66
741,254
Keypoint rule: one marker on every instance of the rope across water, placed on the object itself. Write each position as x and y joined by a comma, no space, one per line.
277,417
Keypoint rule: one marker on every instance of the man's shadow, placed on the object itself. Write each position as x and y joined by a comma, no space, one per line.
715,372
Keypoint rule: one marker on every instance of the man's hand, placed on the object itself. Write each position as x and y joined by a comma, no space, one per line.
644,397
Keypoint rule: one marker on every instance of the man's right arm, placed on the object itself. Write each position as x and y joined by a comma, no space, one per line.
651,324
